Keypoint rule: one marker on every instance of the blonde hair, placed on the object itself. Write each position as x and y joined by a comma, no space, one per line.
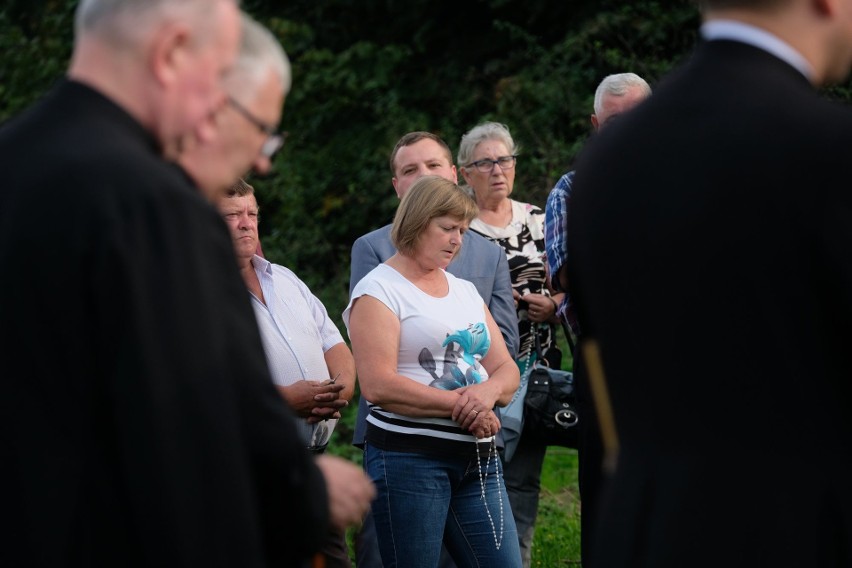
428,198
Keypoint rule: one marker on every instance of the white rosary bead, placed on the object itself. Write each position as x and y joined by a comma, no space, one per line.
492,450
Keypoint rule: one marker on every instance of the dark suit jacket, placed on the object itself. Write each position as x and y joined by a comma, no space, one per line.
711,258
480,261
138,422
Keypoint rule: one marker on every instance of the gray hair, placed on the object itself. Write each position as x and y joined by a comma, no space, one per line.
260,52
617,85
124,22
478,134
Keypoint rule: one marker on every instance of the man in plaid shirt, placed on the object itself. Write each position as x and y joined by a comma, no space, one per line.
615,95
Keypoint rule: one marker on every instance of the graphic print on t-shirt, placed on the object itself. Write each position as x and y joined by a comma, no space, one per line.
464,349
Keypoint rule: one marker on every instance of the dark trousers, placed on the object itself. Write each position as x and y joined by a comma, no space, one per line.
335,550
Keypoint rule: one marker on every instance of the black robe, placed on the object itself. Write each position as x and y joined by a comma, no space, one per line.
710,255
138,422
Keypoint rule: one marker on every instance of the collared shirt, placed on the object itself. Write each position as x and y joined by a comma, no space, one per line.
296,332
760,38
555,225
556,242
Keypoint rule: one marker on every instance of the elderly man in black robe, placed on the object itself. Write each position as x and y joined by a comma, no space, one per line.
138,422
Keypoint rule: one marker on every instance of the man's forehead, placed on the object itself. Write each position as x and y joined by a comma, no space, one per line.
263,96
238,202
422,150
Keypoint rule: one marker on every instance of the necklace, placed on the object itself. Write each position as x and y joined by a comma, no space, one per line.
492,451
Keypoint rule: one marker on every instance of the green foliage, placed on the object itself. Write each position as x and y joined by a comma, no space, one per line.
358,88
547,104
366,72
36,47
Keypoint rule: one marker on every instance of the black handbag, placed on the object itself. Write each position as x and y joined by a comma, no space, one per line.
550,405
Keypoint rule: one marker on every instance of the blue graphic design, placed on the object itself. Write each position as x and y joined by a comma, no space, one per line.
469,345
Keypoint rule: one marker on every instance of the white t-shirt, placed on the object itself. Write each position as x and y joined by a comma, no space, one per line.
441,343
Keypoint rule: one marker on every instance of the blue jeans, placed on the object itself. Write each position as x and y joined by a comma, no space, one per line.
367,547
423,501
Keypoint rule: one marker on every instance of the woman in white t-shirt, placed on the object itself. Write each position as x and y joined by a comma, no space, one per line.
433,365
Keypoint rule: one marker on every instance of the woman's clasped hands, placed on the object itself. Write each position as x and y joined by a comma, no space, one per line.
474,411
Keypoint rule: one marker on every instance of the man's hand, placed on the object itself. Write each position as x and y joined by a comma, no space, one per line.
350,491
316,401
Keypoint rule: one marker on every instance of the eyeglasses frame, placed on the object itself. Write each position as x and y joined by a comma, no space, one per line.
493,163
274,138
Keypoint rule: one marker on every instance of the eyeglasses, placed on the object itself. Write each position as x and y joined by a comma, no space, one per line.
274,138
485,166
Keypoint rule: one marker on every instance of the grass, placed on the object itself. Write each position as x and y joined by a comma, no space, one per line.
557,533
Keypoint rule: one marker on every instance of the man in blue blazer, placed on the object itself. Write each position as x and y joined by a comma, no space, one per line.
480,261
713,268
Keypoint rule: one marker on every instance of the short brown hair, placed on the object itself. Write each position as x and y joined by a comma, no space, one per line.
414,137
239,189
428,198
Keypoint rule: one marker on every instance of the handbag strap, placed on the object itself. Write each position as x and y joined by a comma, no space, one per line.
568,336
570,340
538,354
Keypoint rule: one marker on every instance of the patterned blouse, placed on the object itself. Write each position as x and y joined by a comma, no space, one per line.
523,241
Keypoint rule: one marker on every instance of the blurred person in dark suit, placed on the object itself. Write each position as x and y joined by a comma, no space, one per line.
710,258
615,95
247,126
247,139
140,426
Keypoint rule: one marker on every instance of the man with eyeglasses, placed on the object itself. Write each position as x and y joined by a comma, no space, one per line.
247,134
140,425
311,365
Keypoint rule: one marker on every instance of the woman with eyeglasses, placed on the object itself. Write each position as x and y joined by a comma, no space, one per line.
488,155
